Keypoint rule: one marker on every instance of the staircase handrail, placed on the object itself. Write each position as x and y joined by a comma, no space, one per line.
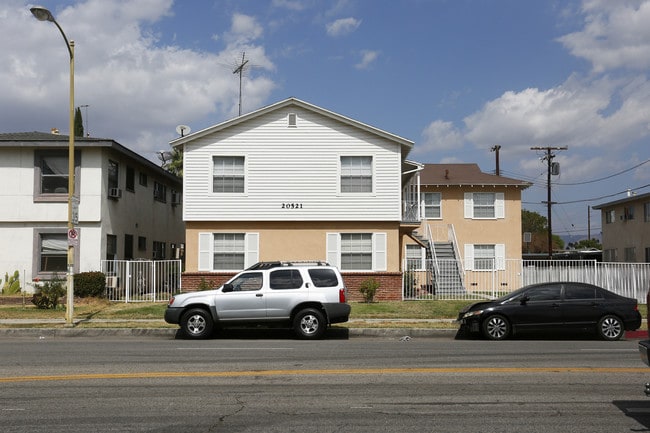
434,257
452,235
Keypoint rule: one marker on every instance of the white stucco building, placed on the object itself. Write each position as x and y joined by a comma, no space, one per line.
129,208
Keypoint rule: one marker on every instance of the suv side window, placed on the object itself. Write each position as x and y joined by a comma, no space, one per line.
247,282
285,279
323,277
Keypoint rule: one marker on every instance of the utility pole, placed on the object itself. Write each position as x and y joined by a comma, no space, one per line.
549,161
496,149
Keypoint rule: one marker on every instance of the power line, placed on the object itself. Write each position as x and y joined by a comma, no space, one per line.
606,177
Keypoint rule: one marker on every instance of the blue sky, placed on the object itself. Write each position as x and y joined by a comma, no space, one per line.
455,76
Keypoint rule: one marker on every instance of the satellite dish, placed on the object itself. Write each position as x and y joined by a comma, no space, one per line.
183,129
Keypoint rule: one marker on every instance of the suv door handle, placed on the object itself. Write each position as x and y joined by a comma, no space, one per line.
259,295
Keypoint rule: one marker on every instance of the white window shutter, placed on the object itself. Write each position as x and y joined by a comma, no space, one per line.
206,240
500,256
252,249
379,252
469,257
333,249
499,205
469,205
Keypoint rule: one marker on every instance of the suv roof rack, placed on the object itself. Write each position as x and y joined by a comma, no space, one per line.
278,264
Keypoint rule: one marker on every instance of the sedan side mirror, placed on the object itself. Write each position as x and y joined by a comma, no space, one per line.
524,300
227,288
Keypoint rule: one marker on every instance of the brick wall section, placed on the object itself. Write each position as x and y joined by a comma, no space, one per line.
390,283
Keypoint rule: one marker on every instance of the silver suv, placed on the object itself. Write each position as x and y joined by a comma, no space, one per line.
306,296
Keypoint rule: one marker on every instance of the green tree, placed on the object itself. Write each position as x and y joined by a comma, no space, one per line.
537,225
585,244
78,123
175,165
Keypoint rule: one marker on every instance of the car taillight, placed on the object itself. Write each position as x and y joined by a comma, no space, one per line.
342,295
171,301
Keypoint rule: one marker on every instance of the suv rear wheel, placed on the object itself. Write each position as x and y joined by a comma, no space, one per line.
309,324
197,323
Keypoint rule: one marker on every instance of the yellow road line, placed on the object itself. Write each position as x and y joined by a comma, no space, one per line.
253,373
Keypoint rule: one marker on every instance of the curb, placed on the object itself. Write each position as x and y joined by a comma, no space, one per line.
168,333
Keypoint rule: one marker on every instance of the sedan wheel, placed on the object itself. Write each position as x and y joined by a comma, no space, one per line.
610,328
496,327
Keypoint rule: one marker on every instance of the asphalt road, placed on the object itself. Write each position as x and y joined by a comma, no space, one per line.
274,383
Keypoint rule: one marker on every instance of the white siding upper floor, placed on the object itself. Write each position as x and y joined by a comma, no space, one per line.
289,167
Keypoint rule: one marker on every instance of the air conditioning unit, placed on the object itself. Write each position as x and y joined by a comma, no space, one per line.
111,282
114,193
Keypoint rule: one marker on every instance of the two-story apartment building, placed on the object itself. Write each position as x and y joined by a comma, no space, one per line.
626,229
293,181
128,207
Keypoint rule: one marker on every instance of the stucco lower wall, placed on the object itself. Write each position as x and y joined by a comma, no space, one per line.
292,240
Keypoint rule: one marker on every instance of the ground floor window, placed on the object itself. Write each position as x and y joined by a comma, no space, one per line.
53,252
485,257
227,251
415,257
357,251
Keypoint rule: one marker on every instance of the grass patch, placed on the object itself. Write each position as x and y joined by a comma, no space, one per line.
407,309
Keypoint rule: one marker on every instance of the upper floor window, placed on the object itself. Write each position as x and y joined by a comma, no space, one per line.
356,174
113,174
484,205
130,179
432,206
646,212
51,174
228,174
628,213
143,179
159,192
610,216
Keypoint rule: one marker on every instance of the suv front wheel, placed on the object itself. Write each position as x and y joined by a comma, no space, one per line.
197,323
309,324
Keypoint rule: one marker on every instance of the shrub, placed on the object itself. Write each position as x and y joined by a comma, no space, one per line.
204,285
12,284
368,288
90,284
47,297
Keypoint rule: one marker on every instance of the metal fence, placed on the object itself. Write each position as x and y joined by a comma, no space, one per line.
446,279
141,280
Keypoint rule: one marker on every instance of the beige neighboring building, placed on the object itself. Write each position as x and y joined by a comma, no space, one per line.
626,229
469,218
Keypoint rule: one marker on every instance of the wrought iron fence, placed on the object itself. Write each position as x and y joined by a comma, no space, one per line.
141,280
492,280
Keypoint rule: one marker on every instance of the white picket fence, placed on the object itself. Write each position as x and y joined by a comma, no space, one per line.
141,280
449,280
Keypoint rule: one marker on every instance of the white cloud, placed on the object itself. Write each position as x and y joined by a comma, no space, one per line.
343,26
137,89
616,35
439,135
367,58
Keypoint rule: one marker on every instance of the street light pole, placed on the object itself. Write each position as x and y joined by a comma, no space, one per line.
43,14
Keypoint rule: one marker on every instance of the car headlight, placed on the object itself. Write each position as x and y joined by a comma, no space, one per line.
472,314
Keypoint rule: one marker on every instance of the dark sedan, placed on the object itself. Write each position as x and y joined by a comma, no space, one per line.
557,306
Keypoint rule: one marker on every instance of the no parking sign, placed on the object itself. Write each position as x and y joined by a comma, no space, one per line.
73,237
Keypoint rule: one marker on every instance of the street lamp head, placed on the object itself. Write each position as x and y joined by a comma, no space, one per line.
42,14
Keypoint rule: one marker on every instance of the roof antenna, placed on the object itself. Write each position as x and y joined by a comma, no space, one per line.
240,70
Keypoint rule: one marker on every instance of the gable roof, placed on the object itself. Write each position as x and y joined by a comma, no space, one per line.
405,143
48,140
464,174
